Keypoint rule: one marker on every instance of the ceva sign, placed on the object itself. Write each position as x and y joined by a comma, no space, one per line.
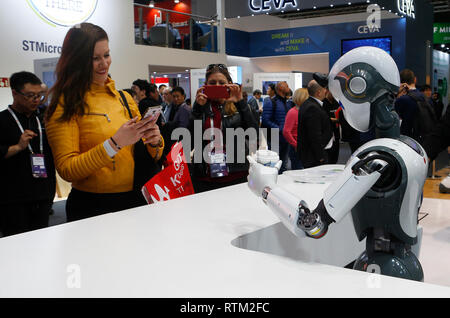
406,7
268,5
63,12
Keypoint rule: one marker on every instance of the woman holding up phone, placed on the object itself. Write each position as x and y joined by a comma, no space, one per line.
219,105
90,131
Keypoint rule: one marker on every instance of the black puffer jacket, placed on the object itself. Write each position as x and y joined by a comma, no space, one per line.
242,119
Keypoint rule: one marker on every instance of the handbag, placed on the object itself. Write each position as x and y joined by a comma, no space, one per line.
145,167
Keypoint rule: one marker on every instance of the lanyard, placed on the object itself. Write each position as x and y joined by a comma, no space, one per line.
41,147
211,121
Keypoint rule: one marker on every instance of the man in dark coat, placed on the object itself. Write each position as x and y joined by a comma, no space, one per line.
315,133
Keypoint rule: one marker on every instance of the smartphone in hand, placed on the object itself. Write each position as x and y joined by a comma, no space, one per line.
216,91
153,111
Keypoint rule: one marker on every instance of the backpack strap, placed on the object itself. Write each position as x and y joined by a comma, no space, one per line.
124,102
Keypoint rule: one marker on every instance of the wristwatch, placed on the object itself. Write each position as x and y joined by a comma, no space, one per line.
159,145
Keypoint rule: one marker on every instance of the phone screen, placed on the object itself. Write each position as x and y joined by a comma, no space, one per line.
153,111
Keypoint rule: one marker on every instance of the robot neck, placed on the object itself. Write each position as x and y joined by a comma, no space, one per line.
386,120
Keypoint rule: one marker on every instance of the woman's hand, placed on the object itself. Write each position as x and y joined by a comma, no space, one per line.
235,93
201,98
151,134
133,130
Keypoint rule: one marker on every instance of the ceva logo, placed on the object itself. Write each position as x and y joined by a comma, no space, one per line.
63,12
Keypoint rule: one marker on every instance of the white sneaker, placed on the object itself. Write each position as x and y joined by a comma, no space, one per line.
444,186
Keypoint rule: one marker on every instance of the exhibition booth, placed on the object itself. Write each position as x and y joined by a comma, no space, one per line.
226,242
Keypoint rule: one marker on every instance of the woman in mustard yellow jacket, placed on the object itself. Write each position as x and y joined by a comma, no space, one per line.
90,131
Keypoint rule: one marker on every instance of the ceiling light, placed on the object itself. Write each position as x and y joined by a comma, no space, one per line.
314,7
176,1
349,3
152,4
442,45
331,5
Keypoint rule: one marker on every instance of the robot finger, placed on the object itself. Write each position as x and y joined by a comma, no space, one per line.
278,164
251,160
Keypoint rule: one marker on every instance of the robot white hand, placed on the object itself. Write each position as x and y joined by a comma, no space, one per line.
293,212
260,176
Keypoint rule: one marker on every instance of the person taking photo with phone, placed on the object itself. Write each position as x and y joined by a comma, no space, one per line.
90,130
219,105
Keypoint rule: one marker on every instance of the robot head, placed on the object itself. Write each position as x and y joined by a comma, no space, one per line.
358,78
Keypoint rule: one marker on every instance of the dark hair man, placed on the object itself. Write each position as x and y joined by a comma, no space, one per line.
315,134
27,183
256,105
141,88
147,94
271,91
407,107
161,88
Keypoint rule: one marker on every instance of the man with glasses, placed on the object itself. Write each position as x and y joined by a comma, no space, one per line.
274,114
27,183
167,102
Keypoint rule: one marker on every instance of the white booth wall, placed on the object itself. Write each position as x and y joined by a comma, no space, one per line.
309,63
294,80
19,23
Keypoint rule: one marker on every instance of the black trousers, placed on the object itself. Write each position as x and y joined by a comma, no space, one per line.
333,153
20,217
81,205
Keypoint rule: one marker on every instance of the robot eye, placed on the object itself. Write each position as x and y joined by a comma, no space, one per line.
357,85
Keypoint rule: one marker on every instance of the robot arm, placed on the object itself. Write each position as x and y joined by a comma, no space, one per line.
339,198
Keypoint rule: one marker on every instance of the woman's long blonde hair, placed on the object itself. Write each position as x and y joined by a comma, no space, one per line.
300,95
230,109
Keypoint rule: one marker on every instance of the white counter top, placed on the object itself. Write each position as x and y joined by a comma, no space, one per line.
185,248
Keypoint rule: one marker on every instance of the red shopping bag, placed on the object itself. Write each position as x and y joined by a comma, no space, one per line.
173,181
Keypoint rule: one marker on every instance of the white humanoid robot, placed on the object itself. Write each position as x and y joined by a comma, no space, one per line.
382,181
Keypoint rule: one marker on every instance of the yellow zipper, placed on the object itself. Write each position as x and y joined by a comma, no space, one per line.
100,114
